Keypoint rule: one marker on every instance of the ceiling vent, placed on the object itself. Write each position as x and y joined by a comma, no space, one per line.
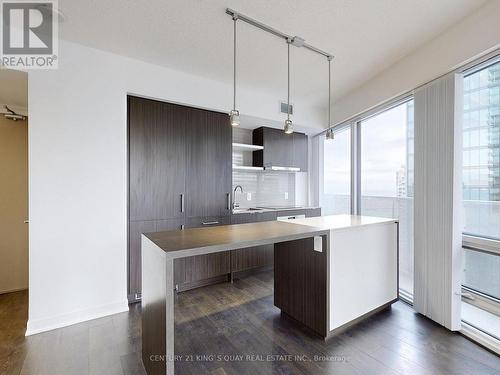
284,108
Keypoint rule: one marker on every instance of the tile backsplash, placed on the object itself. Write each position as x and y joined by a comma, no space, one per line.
261,189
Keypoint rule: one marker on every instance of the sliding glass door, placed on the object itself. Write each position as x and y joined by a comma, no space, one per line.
481,199
386,161
368,170
336,197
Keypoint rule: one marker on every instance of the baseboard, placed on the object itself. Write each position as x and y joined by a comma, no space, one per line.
201,283
64,320
252,271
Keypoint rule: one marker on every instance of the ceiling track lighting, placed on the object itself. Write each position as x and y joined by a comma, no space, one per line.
234,115
329,132
288,128
293,40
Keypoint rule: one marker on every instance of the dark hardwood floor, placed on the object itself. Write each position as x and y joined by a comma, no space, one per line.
216,325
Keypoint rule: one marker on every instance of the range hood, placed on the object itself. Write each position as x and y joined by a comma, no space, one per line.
280,151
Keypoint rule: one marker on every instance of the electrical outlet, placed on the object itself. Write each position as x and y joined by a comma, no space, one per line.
249,196
286,195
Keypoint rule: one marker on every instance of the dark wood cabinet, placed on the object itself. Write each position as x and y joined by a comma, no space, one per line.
135,229
156,160
219,165
207,221
253,257
280,149
179,176
209,155
201,270
313,212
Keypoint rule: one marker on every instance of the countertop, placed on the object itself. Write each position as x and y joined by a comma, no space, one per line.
238,211
335,222
196,241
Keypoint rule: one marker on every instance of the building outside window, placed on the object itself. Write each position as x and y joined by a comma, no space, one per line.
387,178
481,199
336,196
385,174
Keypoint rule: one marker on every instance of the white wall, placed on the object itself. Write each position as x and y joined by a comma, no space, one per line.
78,174
473,36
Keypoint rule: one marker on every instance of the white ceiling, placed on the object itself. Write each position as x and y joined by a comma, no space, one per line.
13,90
366,37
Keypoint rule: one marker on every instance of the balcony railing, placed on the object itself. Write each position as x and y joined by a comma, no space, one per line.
481,218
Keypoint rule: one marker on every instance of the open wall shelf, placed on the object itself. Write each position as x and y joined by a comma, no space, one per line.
246,147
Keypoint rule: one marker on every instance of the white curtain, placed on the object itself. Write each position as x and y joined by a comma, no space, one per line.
438,200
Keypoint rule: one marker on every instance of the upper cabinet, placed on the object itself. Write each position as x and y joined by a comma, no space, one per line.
157,159
180,161
280,149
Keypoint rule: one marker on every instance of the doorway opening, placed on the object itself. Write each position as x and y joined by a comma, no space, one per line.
13,202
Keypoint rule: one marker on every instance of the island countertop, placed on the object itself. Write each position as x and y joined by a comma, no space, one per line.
197,241
336,222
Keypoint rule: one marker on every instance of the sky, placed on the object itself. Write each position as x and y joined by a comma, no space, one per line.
383,152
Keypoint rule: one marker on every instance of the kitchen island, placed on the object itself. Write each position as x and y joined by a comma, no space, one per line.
316,259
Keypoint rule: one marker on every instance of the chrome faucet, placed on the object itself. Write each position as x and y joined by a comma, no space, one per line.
236,205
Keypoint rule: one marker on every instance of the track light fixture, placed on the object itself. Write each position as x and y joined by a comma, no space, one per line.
293,40
234,115
288,128
329,132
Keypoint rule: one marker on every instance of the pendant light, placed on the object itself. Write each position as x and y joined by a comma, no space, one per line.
234,115
329,132
288,123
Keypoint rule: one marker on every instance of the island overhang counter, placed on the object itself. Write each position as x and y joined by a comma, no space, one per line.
313,262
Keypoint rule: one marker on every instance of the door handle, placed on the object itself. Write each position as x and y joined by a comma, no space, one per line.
228,201
26,221
210,222
182,202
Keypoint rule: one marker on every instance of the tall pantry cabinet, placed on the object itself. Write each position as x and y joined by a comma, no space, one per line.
179,177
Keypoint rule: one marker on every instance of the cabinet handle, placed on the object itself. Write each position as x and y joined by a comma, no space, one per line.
210,222
182,202
228,201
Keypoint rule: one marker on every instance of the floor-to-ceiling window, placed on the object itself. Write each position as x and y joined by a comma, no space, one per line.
336,197
380,150
481,198
386,150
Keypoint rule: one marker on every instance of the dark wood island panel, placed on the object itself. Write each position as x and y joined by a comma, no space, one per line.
300,282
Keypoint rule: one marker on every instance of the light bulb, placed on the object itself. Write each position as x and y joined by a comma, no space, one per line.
288,127
234,118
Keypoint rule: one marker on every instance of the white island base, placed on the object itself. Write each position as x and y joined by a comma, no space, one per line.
362,267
